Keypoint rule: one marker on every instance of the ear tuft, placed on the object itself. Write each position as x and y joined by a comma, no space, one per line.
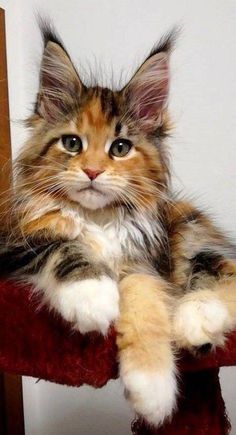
49,33
166,43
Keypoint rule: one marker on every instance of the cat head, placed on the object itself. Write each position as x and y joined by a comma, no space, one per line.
94,146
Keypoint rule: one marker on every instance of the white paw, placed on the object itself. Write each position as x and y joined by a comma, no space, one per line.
91,304
200,320
152,395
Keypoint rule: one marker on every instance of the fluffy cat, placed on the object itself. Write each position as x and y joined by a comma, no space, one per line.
95,228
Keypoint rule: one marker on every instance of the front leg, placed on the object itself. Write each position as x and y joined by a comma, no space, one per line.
147,366
82,290
89,304
204,316
203,272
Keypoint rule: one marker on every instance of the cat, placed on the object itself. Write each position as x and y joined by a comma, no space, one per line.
95,227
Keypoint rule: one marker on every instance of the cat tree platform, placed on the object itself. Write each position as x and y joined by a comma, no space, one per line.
34,342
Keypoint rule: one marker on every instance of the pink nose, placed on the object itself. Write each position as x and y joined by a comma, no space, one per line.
92,173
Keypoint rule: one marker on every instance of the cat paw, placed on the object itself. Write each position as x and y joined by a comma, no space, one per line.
152,395
90,304
200,322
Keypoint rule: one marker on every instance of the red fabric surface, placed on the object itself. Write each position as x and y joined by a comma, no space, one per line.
37,343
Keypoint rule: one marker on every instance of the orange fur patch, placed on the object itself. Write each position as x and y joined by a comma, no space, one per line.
144,328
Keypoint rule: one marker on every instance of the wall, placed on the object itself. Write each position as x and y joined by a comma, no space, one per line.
203,105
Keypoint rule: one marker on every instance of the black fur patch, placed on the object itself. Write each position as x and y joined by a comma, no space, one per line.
118,128
166,43
162,263
48,146
74,266
41,260
194,216
208,262
26,258
108,103
49,33
68,265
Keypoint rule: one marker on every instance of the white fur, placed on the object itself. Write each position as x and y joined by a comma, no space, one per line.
118,232
200,320
78,221
110,248
90,304
152,395
92,195
148,225
90,199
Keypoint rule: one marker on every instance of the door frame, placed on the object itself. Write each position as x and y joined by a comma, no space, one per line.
11,397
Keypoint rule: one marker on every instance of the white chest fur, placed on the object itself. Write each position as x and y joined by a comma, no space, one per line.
116,235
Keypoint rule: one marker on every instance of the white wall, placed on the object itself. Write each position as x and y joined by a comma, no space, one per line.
203,104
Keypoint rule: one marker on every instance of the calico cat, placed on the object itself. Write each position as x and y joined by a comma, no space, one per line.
95,228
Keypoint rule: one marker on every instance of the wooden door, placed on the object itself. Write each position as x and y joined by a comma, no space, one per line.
5,144
11,403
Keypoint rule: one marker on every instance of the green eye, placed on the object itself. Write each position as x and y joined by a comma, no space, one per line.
120,147
72,143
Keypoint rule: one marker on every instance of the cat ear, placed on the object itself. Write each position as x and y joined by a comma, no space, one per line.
60,86
147,92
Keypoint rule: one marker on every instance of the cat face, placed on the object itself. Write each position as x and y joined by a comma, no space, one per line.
94,146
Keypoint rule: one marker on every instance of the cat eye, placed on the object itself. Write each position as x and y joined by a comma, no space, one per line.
72,143
120,147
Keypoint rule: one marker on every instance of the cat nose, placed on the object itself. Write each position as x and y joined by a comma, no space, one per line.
92,173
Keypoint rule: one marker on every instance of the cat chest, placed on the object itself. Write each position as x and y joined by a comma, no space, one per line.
116,243
113,241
